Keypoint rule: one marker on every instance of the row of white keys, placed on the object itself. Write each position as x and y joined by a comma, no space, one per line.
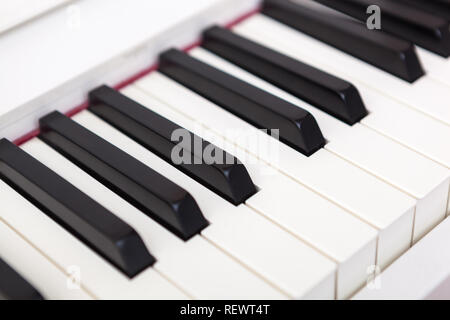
407,126
423,179
425,95
265,249
398,121
94,275
380,205
52,282
195,267
421,273
324,226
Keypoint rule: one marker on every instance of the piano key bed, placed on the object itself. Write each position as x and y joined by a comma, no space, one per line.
310,165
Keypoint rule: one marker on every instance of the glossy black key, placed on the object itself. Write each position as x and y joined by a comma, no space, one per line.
297,127
153,194
91,223
335,96
387,52
422,28
14,287
226,176
440,8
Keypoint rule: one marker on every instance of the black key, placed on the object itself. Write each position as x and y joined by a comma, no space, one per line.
382,50
440,8
410,23
228,177
156,196
331,94
87,220
297,127
14,287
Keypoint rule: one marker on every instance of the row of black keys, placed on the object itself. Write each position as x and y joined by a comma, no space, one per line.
403,23
153,194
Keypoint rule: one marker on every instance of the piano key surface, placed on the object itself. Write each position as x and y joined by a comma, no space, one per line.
239,231
322,172
297,128
418,26
51,281
417,274
425,95
145,188
330,94
389,53
76,212
396,185
230,179
14,287
386,114
306,215
196,266
399,166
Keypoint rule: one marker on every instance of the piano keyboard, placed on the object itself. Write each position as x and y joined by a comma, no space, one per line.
316,156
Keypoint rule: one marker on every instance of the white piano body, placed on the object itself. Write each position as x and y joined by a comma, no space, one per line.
127,37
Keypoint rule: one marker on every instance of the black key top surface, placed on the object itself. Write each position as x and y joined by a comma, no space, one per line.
14,287
226,176
155,195
297,127
440,8
382,50
335,96
422,28
87,220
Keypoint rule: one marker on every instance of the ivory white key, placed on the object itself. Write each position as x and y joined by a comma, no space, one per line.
264,248
36,268
387,115
333,231
409,127
399,166
437,67
418,273
196,266
374,202
96,276
426,95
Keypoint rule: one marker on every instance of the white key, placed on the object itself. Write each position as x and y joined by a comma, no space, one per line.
95,275
415,175
436,67
267,250
393,119
418,273
426,95
196,266
409,127
350,242
374,202
399,166
40,272
326,227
